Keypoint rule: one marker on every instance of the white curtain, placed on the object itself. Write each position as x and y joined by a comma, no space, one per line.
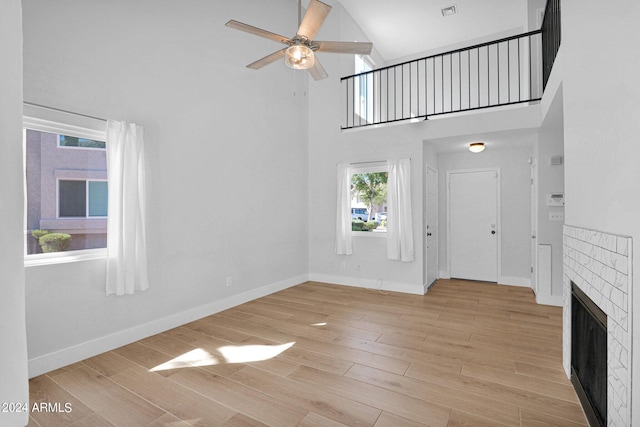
344,244
126,222
399,225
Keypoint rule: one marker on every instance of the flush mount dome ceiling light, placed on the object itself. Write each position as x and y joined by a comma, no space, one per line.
476,147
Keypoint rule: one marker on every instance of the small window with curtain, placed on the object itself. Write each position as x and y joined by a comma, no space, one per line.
66,188
369,197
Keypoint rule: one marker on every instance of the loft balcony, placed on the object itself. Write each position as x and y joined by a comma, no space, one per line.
509,71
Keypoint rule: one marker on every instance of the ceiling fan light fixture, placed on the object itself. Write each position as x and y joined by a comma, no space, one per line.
299,57
476,147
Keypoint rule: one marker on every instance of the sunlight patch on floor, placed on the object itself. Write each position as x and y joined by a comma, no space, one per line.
252,353
226,354
191,359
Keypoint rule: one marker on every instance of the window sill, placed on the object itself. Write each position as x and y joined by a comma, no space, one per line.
64,257
369,234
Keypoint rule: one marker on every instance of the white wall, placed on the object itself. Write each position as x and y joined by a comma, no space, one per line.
601,128
512,157
13,356
368,266
551,180
227,153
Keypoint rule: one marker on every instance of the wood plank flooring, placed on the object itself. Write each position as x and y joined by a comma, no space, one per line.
466,354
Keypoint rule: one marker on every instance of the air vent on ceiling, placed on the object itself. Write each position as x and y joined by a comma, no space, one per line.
448,11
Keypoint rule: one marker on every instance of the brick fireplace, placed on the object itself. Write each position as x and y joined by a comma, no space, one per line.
599,264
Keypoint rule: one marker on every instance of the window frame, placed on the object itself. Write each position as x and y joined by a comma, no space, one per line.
367,167
58,122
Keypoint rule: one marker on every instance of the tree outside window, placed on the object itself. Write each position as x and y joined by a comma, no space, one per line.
370,189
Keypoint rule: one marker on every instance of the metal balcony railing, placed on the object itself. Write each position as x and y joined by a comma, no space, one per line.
502,72
551,36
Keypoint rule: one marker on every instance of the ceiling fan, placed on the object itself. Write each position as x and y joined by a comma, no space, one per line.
299,53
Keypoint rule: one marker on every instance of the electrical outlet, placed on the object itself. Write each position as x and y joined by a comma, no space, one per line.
229,281
556,216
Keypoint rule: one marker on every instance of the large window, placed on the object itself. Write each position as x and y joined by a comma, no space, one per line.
66,187
369,198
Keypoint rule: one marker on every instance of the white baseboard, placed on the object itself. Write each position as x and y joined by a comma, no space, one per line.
503,280
407,288
48,362
444,275
555,300
514,281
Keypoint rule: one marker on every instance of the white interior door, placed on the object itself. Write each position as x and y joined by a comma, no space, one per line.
473,224
432,226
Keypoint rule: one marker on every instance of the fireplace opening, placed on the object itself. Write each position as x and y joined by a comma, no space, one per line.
589,356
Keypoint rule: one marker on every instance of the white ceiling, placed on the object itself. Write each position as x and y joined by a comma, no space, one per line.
406,28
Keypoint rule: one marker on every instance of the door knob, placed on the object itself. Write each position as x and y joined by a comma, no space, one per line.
428,234
493,231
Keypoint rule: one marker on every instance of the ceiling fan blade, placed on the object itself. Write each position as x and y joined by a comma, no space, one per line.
317,71
257,31
313,19
361,48
267,59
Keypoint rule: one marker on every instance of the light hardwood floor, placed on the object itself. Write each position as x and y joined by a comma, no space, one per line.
465,354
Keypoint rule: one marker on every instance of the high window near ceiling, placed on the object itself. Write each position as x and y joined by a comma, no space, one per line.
363,88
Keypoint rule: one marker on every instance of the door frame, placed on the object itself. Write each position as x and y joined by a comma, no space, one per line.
434,171
534,226
498,214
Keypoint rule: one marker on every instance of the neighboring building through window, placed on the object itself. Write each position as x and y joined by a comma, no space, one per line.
66,191
74,141
369,198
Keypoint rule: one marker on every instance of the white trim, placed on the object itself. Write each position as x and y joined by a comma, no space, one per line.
53,121
367,167
425,218
407,288
514,281
554,300
369,234
35,260
444,274
48,362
